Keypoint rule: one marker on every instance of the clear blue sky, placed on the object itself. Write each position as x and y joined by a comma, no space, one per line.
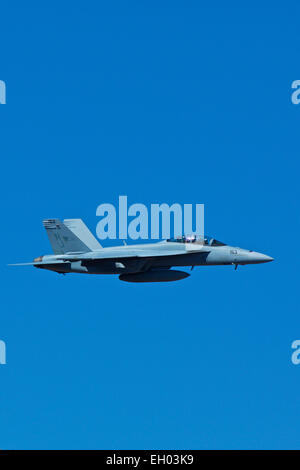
164,102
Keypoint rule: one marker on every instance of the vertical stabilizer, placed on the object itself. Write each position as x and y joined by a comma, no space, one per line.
62,239
78,227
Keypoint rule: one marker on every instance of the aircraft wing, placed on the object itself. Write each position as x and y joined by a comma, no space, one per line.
122,254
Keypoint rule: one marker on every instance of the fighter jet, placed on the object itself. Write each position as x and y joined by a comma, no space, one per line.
76,250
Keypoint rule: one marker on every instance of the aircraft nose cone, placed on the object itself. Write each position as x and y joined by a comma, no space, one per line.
261,258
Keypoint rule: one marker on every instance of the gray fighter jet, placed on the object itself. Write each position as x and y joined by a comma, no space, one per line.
76,250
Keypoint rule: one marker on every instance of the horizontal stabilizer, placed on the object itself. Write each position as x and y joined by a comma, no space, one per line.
23,264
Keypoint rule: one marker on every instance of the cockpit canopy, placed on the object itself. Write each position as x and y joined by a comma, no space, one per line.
193,239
